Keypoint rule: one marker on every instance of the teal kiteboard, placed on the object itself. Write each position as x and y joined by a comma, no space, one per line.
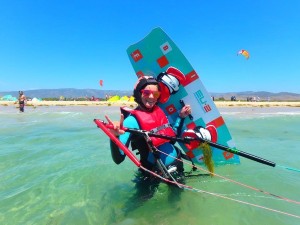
156,53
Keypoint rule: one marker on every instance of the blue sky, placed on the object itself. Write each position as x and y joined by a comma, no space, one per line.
73,44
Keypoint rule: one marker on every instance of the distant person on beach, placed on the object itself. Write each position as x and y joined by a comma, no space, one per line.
148,116
22,101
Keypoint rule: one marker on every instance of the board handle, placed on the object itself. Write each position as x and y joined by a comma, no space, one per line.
183,104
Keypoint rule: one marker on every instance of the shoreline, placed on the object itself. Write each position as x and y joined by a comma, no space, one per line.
133,104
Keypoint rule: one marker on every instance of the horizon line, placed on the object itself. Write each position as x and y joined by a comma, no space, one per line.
131,90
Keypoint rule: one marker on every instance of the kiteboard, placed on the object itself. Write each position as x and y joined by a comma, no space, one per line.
157,53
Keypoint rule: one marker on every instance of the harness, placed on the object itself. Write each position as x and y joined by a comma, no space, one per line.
172,172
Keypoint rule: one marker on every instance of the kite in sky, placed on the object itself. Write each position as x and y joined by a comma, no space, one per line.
244,53
101,83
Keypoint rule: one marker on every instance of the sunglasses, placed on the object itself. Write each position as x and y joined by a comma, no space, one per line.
147,93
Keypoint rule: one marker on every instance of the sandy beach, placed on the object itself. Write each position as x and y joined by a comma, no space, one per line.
133,104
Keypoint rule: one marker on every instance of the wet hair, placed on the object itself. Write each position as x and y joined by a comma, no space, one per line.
142,83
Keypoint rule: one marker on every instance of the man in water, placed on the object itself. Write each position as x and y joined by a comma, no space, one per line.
22,101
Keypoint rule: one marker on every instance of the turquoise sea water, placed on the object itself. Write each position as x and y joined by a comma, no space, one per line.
56,168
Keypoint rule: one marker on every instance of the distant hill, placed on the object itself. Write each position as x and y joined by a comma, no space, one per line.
77,93
68,93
